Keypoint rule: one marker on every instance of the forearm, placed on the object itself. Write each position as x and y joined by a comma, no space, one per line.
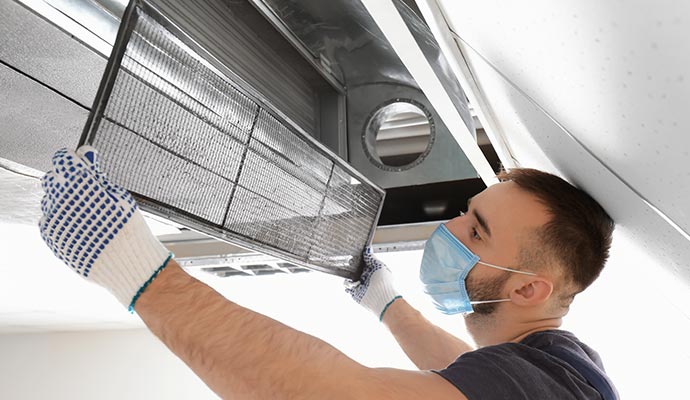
427,345
237,352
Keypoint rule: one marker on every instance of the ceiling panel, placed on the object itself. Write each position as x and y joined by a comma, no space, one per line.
613,74
49,55
36,121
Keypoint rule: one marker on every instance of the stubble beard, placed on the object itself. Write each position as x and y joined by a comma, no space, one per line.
484,316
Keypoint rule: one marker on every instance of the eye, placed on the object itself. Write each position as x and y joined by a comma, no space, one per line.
475,234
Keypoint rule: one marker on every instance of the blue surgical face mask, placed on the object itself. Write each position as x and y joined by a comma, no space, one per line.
445,265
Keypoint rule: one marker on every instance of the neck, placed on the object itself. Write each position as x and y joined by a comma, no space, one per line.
488,330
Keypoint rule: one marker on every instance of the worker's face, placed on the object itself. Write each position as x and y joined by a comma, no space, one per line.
497,223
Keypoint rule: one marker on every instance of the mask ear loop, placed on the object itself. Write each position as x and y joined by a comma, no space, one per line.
489,301
502,269
507,269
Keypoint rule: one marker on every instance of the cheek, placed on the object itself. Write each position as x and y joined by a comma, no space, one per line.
484,274
477,274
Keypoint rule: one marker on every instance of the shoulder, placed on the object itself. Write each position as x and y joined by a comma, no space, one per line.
519,370
556,341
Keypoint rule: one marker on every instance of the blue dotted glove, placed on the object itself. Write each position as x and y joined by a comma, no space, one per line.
95,227
374,290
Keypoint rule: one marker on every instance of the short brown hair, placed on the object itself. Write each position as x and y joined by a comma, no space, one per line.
578,236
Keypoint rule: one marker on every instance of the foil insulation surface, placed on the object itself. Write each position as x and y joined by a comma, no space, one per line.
195,145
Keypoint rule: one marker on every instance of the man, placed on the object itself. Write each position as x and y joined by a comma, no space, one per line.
532,267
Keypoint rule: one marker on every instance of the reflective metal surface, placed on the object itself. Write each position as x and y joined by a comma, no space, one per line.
399,135
344,43
101,18
343,52
234,33
444,160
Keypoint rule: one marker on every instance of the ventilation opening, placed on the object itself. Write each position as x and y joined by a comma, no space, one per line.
399,135
255,269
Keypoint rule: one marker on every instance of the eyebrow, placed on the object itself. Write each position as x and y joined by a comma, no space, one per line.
480,219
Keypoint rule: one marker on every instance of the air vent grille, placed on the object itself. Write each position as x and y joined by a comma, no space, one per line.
255,270
197,147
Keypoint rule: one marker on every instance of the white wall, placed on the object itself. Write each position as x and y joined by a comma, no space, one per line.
103,365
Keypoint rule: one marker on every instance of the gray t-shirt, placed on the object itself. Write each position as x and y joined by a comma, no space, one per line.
551,364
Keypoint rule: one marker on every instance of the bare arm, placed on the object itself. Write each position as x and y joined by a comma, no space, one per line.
243,354
427,345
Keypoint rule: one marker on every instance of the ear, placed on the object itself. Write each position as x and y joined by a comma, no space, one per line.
532,291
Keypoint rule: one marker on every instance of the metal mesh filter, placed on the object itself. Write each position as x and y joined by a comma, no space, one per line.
197,146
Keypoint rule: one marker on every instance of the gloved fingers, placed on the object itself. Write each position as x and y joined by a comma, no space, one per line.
367,256
89,155
47,181
113,187
58,159
46,204
355,289
42,226
66,160
116,192
45,234
350,285
371,262
77,173
52,184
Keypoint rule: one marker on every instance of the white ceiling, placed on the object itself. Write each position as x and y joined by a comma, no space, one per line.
614,74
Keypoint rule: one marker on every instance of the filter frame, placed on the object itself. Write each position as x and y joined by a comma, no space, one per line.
129,20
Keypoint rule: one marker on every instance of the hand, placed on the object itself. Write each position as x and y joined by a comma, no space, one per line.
95,227
374,290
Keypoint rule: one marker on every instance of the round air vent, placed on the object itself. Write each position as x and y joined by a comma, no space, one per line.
398,135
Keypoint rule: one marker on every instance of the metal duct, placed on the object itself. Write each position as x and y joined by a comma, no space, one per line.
198,148
63,46
344,43
244,42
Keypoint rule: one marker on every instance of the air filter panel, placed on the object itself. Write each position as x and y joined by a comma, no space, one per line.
195,144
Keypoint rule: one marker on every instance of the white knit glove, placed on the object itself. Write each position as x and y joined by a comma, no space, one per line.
374,290
95,227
